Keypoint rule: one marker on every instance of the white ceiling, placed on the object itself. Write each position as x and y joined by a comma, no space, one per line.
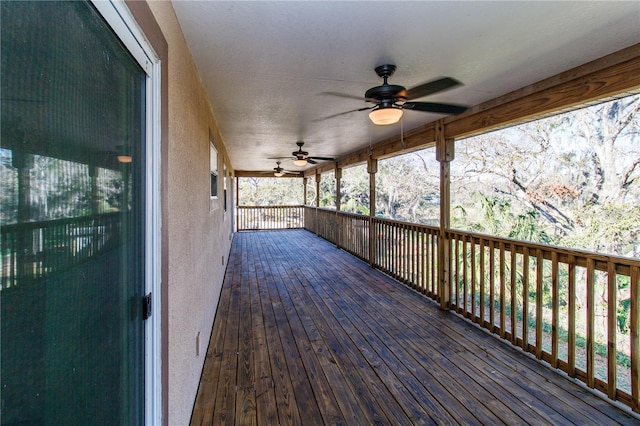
266,66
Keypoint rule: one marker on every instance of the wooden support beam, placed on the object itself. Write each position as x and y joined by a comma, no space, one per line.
372,169
444,155
237,199
263,174
318,176
304,191
338,176
614,75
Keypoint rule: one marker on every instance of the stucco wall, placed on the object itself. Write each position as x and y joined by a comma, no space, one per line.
197,237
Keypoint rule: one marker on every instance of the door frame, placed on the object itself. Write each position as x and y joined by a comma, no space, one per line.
120,19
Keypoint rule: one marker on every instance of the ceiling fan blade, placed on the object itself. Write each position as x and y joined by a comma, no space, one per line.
343,95
321,158
434,107
429,88
344,113
291,172
310,161
279,158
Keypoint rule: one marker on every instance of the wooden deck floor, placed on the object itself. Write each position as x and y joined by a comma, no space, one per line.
307,334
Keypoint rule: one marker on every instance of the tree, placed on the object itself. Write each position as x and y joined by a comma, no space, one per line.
575,171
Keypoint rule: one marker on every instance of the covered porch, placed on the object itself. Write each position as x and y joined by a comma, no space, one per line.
306,333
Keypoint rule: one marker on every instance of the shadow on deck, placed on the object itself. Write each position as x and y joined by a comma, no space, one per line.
307,334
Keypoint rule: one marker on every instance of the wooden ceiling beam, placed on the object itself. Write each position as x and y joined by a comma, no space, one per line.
614,75
262,174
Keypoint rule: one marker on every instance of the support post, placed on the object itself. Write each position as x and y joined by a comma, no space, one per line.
372,169
318,176
444,155
24,244
338,175
304,191
237,201
93,175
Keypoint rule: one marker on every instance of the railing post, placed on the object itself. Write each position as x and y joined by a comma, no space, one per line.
338,221
372,169
338,176
24,241
318,176
444,155
304,191
237,203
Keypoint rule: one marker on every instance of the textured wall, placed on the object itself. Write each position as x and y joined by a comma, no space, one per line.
198,238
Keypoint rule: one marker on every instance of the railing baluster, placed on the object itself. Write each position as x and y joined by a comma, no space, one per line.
492,283
591,317
465,293
634,326
571,338
482,282
539,290
555,309
457,276
433,252
450,269
503,289
514,306
612,326
525,298
474,281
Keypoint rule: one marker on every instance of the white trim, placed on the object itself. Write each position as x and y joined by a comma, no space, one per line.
121,21
118,16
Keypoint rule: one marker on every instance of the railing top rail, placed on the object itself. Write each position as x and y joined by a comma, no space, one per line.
57,222
324,209
271,207
354,215
547,249
603,257
404,224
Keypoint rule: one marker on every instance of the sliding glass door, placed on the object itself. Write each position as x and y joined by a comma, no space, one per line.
72,192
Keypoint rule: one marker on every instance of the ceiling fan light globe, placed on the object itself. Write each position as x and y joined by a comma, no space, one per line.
278,174
385,116
300,162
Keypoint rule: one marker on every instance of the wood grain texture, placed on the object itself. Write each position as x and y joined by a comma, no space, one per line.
305,333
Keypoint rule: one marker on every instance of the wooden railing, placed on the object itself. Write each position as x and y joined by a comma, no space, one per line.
31,251
576,310
269,217
561,305
408,253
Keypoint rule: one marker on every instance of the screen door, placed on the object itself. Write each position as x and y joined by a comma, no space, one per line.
72,171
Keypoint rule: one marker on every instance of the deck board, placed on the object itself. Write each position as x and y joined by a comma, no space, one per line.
308,334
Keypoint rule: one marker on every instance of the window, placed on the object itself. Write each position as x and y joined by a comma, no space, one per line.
213,170
224,184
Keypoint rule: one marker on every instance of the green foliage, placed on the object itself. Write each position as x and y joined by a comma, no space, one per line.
270,191
355,190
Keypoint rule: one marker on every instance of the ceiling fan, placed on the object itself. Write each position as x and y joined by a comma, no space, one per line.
279,171
391,99
301,158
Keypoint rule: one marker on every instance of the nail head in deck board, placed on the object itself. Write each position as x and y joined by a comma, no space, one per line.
373,332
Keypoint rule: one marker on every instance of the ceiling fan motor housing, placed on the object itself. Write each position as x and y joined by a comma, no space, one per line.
386,94
300,154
